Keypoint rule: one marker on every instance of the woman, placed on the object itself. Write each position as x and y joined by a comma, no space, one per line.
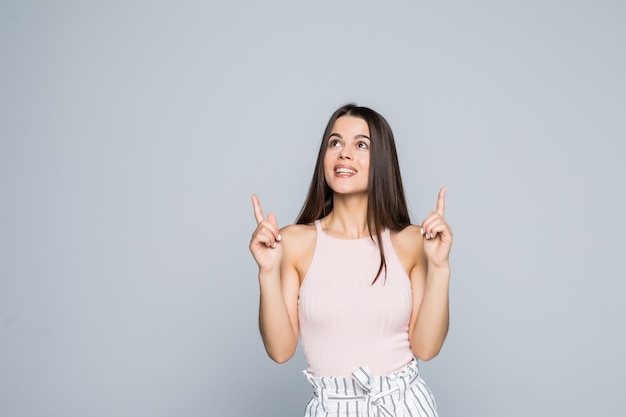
364,289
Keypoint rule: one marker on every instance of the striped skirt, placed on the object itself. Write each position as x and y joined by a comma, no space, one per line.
401,394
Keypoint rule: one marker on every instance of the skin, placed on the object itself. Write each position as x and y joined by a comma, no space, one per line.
349,151
284,255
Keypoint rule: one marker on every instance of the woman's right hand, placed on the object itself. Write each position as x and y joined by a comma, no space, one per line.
265,242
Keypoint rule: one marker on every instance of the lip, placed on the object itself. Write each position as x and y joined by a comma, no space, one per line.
344,173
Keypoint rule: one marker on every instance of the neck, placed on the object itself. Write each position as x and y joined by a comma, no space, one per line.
349,217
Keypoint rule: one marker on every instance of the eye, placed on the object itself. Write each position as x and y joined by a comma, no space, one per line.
362,145
334,143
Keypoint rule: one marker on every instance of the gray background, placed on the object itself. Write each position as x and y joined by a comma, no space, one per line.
133,133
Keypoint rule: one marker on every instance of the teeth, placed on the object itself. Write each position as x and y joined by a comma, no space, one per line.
345,171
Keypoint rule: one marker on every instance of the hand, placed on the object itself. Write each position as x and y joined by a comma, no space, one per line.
265,242
437,234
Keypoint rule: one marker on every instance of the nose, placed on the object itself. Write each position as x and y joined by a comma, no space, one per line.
344,154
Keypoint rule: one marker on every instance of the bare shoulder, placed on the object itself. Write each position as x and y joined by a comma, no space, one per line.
408,245
410,238
298,234
298,242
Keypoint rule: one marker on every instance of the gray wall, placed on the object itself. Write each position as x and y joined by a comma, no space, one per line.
133,133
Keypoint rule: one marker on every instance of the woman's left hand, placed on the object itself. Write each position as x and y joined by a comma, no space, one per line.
437,234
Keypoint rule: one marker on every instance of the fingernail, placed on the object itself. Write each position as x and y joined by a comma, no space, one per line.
421,230
279,238
273,245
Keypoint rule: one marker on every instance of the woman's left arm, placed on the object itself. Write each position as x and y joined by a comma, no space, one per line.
430,279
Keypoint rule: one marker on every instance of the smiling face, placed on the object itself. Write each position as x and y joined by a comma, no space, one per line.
347,158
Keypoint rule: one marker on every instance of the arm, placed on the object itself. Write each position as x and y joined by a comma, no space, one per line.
279,286
430,279
430,317
278,310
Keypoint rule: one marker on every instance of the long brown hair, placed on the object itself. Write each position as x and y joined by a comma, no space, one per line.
386,203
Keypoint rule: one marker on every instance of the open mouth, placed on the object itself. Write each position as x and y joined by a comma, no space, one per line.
345,171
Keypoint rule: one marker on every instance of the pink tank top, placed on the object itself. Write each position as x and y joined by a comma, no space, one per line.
345,321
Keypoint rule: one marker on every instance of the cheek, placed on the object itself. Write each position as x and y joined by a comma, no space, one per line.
326,166
365,160
328,162
365,164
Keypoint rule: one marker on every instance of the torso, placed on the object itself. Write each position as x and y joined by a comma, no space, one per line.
403,253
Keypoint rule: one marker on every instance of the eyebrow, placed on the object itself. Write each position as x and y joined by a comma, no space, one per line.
356,137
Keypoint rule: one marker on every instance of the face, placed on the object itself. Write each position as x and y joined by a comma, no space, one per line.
347,158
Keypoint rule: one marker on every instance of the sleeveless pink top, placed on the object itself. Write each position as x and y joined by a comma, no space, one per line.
345,321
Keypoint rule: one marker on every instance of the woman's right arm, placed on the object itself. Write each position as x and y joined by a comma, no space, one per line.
279,286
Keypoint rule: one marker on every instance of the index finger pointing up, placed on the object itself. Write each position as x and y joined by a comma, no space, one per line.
441,201
258,212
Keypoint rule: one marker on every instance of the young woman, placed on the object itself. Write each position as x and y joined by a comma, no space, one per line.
364,289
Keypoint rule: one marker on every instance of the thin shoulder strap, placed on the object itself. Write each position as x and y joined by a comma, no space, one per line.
318,227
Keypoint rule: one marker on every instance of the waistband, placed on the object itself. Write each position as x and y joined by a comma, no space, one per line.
374,395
